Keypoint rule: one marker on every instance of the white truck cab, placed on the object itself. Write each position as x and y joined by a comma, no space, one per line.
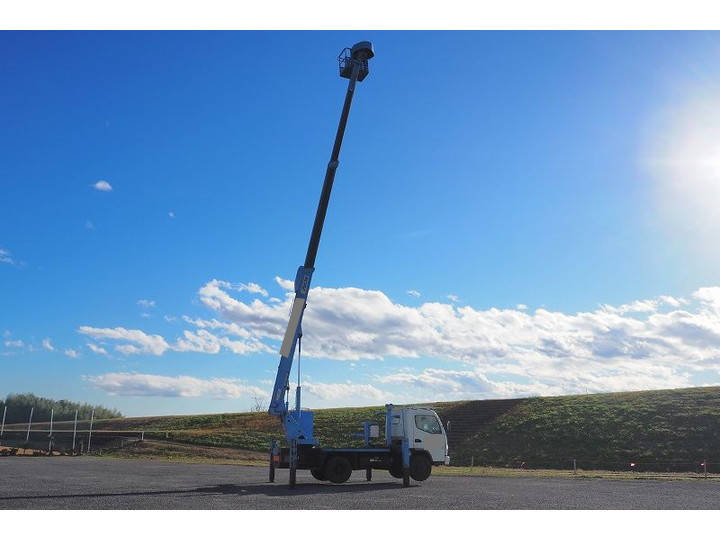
424,432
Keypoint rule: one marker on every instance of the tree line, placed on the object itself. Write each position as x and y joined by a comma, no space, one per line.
19,405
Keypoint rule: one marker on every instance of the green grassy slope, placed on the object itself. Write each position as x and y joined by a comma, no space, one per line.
658,429
601,430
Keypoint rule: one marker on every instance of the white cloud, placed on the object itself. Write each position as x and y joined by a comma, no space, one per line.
521,307
47,344
145,315
128,349
253,288
206,342
72,353
102,185
96,348
171,214
442,380
6,257
286,284
200,341
672,301
709,297
441,385
250,287
414,293
15,343
346,394
261,319
638,306
230,328
147,304
649,343
142,384
453,298
140,342
642,344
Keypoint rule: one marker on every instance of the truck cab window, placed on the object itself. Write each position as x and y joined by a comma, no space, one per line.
427,423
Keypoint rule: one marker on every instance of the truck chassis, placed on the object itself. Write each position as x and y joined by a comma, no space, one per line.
337,464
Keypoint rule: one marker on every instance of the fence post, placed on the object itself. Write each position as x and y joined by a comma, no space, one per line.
142,436
50,438
74,431
27,437
472,461
92,419
705,467
2,428
574,466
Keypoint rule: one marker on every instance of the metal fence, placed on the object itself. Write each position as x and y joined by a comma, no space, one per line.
45,439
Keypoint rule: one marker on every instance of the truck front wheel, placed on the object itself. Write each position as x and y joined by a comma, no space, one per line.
337,470
420,467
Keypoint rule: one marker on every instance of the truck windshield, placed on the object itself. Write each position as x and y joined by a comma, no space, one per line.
427,423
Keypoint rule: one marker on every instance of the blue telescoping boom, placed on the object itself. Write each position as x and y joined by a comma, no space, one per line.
297,424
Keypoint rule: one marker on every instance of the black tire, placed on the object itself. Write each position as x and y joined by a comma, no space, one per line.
317,474
337,470
396,469
420,467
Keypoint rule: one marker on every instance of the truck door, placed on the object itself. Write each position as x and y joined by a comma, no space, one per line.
428,434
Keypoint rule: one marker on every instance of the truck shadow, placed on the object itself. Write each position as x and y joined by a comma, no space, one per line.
283,490
270,490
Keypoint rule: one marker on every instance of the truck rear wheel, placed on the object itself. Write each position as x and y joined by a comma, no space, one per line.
337,470
420,467
317,474
396,469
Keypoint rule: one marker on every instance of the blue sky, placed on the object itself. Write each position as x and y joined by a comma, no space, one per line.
546,198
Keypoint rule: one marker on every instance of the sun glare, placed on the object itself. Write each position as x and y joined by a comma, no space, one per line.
684,159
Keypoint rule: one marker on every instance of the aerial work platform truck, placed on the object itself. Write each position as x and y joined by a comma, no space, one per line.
414,438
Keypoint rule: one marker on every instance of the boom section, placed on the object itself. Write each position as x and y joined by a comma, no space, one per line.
297,425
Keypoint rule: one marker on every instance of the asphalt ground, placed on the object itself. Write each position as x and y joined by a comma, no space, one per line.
104,483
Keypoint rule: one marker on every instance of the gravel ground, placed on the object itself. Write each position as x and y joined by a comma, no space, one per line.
103,483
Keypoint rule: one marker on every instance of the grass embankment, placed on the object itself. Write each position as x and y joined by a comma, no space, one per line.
663,430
